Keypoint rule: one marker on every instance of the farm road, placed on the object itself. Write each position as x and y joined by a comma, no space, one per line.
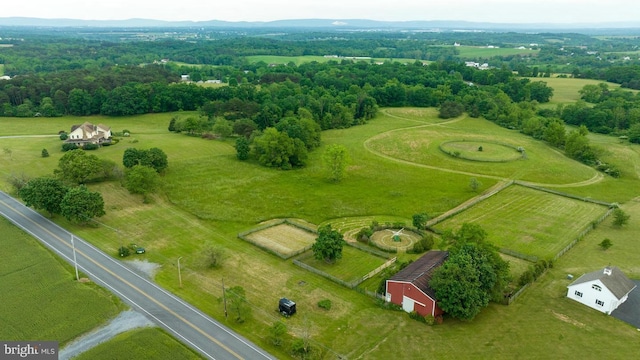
595,179
26,136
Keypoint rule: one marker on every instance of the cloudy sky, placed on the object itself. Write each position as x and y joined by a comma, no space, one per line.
505,11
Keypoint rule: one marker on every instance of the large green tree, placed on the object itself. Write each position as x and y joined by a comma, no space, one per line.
277,149
78,167
473,275
44,193
335,159
328,245
81,205
154,158
141,179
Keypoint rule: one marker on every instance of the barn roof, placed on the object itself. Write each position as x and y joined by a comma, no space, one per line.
419,272
611,277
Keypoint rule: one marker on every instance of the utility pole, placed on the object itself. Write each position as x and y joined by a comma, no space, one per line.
179,274
75,263
224,299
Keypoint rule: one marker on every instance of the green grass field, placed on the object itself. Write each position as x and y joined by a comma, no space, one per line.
40,299
209,197
474,52
299,60
145,343
420,145
566,90
354,264
529,221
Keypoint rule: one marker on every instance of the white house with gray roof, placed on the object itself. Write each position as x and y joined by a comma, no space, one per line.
603,290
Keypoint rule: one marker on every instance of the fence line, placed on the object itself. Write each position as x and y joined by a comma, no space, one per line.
584,233
244,236
350,285
531,258
368,249
378,269
556,192
464,206
513,297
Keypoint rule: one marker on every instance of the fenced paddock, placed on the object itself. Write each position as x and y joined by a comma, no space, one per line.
354,267
284,238
530,221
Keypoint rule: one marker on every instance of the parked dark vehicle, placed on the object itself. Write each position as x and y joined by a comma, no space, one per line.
286,307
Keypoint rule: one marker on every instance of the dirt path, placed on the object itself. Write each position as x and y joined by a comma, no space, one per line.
595,179
27,136
127,320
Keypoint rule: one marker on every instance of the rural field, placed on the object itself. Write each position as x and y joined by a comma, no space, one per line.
397,170
144,343
484,52
420,145
566,90
284,239
298,60
44,284
354,264
529,221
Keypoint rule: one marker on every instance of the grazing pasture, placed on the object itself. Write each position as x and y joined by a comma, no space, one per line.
420,145
529,221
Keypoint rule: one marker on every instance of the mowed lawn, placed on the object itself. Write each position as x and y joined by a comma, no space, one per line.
354,264
283,238
40,299
529,221
420,145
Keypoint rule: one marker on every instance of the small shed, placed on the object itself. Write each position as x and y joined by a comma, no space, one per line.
410,288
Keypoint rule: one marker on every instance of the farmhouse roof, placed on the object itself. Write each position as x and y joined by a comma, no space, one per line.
611,277
420,271
90,131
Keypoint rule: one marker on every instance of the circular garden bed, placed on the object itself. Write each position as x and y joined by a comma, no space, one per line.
481,151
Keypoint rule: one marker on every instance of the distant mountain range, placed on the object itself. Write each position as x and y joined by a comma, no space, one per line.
312,23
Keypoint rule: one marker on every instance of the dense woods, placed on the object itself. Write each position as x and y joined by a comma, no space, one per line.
290,104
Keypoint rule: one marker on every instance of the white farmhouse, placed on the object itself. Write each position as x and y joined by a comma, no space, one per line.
603,290
88,133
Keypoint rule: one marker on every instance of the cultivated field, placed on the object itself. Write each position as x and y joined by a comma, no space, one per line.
40,299
146,343
284,239
529,221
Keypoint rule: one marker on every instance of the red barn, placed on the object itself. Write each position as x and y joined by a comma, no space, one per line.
410,287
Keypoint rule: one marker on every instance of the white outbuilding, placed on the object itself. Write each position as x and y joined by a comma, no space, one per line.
603,290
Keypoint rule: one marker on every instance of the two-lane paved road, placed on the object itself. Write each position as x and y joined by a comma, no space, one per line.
186,323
